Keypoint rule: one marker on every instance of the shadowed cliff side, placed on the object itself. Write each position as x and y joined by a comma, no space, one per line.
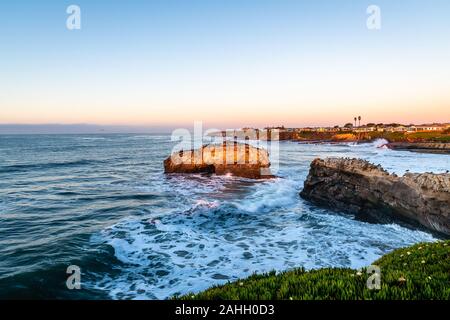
429,147
359,187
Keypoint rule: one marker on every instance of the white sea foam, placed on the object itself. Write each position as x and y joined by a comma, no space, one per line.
277,193
93,138
376,143
220,229
150,137
180,255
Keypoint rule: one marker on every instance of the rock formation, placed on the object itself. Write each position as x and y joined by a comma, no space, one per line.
344,137
232,158
425,147
359,187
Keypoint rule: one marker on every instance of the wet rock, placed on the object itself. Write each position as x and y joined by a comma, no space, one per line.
359,187
422,147
229,158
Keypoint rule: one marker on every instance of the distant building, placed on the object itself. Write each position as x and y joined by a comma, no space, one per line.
426,128
364,129
398,128
334,129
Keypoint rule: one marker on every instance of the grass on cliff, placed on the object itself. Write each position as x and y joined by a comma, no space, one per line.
430,136
390,136
411,137
418,272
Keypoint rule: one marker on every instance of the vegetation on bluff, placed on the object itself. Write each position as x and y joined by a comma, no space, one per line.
418,272
442,136
410,137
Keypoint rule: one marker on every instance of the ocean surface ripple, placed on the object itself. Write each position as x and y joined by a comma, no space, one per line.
102,202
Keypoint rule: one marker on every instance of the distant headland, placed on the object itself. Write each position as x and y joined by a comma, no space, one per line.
433,137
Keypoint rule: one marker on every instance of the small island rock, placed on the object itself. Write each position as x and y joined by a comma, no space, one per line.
229,158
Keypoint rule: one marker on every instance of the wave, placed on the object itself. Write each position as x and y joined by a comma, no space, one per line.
279,193
216,242
145,137
175,234
378,143
47,165
92,138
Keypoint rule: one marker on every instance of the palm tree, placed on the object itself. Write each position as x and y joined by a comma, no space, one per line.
359,119
355,120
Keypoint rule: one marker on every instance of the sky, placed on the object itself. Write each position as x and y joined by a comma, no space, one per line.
227,63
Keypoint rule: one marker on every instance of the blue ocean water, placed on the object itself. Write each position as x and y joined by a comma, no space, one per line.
102,202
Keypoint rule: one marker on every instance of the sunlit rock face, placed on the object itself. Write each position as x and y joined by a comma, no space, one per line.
344,137
359,187
230,158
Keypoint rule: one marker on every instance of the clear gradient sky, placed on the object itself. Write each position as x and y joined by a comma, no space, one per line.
228,63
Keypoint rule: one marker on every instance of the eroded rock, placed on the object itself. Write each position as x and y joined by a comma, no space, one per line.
360,187
237,159
422,147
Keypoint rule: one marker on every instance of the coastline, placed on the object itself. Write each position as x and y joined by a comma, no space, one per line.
359,182
367,190
421,147
416,272
437,141
199,212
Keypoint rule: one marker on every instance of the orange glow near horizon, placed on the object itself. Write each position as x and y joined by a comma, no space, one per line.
305,113
279,63
311,97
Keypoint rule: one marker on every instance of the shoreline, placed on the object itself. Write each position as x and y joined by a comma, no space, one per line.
437,142
405,273
367,190
418,147
421,147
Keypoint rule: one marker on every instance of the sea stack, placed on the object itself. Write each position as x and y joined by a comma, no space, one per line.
359,187
229,158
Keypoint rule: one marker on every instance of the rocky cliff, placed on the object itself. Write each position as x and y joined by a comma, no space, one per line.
360,187
232,158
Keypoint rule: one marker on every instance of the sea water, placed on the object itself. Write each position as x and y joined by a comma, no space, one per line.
103,203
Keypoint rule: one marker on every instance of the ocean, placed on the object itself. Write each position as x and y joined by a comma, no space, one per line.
103,203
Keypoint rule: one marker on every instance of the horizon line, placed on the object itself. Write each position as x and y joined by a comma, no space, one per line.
92,128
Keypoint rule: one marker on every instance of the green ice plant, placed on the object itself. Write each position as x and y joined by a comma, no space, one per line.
421,271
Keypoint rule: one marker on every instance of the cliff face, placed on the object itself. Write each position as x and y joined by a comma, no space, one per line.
237,159
360,187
